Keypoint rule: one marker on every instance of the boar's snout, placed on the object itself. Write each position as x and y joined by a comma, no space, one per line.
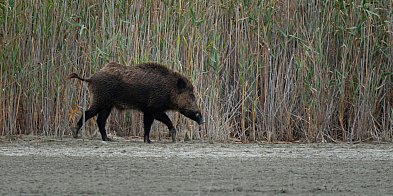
193,115
186,102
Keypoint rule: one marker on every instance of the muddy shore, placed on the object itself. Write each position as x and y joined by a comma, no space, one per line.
92,167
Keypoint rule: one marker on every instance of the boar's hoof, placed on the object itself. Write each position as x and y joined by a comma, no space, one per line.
172,132
107,139
75,132
147,140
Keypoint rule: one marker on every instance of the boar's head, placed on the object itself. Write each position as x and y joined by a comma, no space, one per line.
185,100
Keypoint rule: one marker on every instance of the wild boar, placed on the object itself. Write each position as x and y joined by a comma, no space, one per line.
150,88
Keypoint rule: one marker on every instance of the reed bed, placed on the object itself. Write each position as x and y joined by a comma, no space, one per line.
272,70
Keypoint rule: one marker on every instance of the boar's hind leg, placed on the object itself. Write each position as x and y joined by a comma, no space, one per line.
147,121
162,117
92,111
101,121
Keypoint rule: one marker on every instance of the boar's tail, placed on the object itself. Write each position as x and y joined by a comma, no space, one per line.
74,75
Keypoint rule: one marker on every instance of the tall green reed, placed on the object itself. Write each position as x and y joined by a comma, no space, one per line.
263,70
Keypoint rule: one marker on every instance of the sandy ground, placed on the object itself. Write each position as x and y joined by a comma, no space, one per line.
92,167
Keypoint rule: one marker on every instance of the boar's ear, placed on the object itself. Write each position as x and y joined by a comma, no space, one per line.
181,84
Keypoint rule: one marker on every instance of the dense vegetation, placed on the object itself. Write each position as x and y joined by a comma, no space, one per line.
318,70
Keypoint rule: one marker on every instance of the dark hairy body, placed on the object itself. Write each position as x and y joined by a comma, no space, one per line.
150,88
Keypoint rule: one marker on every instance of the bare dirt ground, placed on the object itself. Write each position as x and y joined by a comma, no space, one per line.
92,167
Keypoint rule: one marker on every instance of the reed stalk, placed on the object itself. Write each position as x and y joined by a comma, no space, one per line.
314,71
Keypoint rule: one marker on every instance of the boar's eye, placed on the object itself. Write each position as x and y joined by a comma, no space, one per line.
181,84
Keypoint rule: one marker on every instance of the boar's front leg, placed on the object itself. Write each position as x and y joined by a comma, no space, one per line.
101,121
162,117
147,122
